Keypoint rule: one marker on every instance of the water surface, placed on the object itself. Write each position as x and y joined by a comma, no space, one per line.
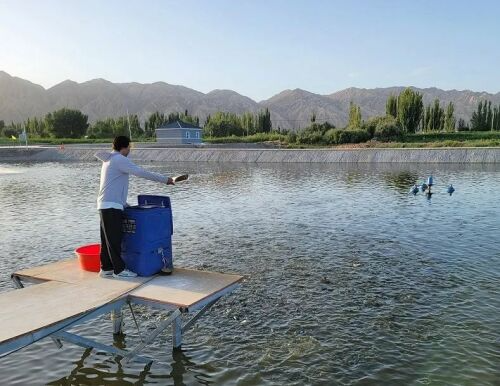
349,280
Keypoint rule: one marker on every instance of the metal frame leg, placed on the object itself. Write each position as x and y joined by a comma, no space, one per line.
177,332
17,282
117,319
152,336
88,343
189,324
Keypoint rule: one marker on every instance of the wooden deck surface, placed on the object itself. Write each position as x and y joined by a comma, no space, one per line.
66,271
185,287
28,310
68,292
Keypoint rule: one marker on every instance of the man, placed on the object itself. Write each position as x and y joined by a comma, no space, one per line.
111,201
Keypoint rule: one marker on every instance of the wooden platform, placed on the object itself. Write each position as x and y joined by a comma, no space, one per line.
28,310
183,288
67,294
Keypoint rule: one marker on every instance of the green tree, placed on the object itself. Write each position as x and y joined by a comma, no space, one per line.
121,127
449,120
434,117
489,116
102,129
462,125
410,108
263,122
480,117
426,117
222,124
495,121
155,120
36,127
67,123
354,116
248,123
135,126
391,106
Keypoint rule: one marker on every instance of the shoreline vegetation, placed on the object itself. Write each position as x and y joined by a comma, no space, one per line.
406,124
276,140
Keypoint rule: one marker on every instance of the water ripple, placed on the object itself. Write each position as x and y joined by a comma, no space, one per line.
348,279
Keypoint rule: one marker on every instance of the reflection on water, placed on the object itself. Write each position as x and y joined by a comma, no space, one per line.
401,181
108,370
349,278
4,170
81,376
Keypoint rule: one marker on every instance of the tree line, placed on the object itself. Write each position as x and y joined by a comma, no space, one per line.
405,113
69,123
223,124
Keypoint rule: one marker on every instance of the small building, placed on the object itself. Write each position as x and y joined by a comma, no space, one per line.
178,133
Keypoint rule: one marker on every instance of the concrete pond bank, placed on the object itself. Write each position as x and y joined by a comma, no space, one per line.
151,154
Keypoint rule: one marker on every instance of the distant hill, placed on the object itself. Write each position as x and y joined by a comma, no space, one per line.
99,98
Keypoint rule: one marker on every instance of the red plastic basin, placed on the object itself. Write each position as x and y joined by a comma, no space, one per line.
89,257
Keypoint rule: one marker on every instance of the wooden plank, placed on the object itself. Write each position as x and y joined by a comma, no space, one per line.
33,308
66,271
185,287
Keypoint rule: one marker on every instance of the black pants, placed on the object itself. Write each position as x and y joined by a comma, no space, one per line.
111,240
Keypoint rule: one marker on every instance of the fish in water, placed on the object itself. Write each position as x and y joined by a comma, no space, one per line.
450,189
414,189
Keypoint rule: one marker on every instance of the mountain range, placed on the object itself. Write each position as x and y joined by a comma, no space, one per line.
98,98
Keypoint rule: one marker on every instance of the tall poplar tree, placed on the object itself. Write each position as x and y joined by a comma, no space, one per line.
391,106
410,108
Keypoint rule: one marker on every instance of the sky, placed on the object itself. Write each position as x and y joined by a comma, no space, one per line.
255,47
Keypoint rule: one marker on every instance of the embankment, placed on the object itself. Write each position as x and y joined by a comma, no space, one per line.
151,154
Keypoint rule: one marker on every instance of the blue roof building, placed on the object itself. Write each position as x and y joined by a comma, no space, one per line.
179,133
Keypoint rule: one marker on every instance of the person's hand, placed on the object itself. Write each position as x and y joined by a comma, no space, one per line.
170,181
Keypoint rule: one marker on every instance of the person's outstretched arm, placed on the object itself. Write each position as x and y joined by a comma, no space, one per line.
127,166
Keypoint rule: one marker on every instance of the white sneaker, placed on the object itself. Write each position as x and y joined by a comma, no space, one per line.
167,270
105,273
125,274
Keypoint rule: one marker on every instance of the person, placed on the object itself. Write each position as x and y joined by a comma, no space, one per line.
111,201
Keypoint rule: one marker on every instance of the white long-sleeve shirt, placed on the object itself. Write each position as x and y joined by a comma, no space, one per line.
116,168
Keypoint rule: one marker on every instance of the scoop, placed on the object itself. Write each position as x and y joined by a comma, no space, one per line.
182,177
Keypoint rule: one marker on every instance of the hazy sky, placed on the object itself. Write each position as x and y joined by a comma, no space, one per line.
257,48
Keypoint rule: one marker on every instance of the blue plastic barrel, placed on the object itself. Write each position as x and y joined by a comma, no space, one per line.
147,235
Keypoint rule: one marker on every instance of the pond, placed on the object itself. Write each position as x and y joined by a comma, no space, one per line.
349,279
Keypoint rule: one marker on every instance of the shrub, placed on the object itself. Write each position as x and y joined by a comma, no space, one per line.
310,137
358,136
313,134
292,137
371,125
340,136
9,131
388,129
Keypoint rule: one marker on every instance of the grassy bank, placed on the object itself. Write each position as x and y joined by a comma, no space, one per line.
419,140
255,138
59,141
52,141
